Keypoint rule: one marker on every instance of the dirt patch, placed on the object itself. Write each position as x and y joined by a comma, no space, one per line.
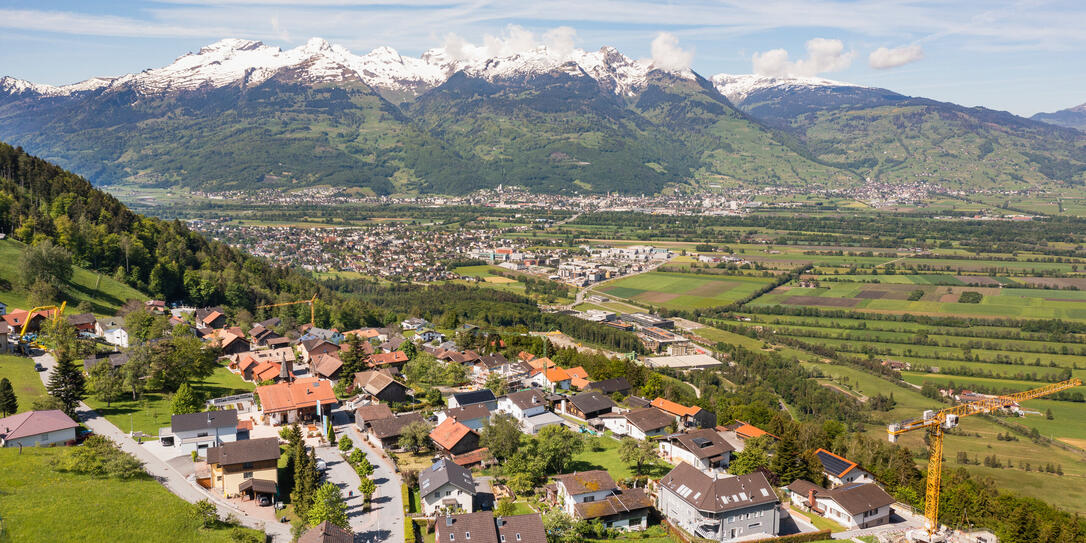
1074,442
977,280
820,301
1057,282
656,297
710,290
872,294
499,280
949,298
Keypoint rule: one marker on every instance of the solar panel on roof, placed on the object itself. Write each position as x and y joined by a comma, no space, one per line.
701,442
833,464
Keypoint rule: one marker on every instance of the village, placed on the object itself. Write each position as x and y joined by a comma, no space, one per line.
660,465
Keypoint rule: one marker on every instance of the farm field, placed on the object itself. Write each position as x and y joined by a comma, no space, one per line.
41,504
104,294
492,277
674,290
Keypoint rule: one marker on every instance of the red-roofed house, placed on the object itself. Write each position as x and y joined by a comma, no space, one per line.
548,375
296,401
37,429
688,416
395,359
454,438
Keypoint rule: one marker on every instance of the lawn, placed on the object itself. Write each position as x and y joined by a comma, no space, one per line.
684,290
152,412
26,382
104,294
605,457
653,534
43,505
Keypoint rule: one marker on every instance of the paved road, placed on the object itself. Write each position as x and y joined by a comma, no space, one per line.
384,521
170,478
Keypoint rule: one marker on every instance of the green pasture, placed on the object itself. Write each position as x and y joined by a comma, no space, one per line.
684,290
24,380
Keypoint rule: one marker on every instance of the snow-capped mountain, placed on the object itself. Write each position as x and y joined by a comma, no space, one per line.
247,63
740,87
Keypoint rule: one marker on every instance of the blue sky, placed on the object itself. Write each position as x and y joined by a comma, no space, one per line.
1025,56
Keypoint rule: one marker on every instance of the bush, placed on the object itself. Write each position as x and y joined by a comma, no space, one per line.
345,443
99,457
970,297
205,513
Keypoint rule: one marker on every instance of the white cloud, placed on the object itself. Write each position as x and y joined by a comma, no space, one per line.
823,55
515,39
667,55
882,57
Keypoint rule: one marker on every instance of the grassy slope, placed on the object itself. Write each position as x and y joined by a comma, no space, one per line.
153,412
43,505
25,381
105,295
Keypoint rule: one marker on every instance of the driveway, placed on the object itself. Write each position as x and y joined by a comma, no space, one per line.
384,521
169,477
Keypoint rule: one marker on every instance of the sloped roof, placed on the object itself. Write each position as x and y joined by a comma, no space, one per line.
833,464
375,381
591,401
858,498
246,450
381,359
579,371
326,532
649,418
326,364
674,408
470,412
623,501
450,432
527,399
707,493
32,423
479,524
610,386
373,412
393,426
585,482
474,396
521,528
705,443
296,394
227,418
444,472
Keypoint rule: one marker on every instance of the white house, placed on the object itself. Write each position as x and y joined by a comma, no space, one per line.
842,471
474,416
719,508
854,505
200,431
704,449
523,404
37,429
116,336
446,488
639,423
591,495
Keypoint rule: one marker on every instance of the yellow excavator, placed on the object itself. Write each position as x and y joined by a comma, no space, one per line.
937,423
26,341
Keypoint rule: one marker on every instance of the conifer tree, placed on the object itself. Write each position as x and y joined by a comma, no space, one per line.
67,385
9,404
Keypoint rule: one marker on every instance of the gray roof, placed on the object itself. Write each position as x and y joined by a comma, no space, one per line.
393,426
713,495
248,450
704,443
527,399
586,482
326,532
475,396
649,418
227,418
444,472
471,412
858,498
591,402
610,386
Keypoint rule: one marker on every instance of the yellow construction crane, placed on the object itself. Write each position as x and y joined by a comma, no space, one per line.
937,422
312,308
57,312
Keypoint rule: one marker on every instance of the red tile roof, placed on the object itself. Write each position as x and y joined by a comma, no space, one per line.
449,433
383,359
674,408
296,394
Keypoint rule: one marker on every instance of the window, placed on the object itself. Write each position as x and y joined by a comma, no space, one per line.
467,535
589,499
201,434
247,475
452,537
503,539
518,536
448,492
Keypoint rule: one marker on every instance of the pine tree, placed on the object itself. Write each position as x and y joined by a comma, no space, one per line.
787,462
9,404
67,385
185,401
305,481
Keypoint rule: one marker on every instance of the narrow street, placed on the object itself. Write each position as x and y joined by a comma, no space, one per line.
384,521
160,470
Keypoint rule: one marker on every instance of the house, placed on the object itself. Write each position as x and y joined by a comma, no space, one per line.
840,470
366,414
578,378
446,488
200,431
314,347
854,505
483,527
686,416
245,467
721,509
426,336
393,344
464,399
523,404
588,405
533,424
704,449
37,429
414,323
331,336
83,322
5,333
385,433
474,416
640,423
593,495
395,359
101,325
118,337
157,307
366,334
261,335
21,317
738,432
210,318
511,371
234,344
453,438
115,360
548,375
326,365
296,401
611,386
380,384
326,532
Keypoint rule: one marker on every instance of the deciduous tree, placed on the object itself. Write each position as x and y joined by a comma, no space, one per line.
328,505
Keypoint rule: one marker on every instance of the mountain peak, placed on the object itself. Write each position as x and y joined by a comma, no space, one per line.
231,44
736,87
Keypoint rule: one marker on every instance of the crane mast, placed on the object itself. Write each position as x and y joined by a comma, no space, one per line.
938,422
312,308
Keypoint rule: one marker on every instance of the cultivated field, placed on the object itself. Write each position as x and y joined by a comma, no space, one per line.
684,290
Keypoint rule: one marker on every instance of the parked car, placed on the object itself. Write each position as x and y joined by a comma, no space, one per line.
321,465
38,367
265,501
